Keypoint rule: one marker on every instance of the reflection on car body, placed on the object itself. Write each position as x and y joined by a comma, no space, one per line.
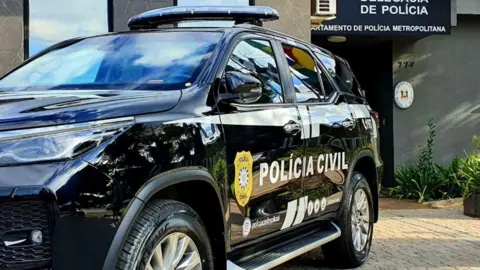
218,145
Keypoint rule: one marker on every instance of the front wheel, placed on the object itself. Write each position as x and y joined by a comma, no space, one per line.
351,249
167,235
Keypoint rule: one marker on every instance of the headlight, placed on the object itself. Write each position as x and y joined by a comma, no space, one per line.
57,143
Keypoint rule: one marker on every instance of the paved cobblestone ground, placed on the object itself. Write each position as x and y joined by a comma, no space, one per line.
416,239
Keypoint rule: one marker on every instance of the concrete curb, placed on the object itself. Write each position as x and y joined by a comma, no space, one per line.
445,203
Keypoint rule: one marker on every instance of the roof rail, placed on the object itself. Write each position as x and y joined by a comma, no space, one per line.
171,15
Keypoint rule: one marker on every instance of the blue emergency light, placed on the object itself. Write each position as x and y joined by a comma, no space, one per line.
171,15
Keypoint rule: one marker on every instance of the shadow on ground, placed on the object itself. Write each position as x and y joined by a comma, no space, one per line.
415,239
450,254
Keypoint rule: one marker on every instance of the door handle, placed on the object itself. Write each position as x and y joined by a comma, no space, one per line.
292,127
349,124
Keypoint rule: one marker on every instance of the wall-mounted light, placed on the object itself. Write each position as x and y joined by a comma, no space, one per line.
337,39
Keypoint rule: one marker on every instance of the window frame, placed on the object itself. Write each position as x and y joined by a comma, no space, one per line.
334,58
354,77
286,89
328,99
339,93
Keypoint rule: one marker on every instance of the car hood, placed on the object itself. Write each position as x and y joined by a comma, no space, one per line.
45,108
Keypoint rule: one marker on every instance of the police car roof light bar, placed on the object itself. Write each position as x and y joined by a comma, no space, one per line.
170,15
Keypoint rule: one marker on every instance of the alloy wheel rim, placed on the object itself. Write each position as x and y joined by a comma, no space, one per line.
175,251
360,220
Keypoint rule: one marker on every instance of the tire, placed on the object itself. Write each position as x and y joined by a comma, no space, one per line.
160,222
342,252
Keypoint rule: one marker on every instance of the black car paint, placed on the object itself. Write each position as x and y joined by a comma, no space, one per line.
58,107
97,196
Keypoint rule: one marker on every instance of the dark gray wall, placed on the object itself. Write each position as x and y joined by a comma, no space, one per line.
446,81
11,34
294,17
125,9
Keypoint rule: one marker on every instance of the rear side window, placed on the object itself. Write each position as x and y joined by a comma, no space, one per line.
308,80
345,73
341,73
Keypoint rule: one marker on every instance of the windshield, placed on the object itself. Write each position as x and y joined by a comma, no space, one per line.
143,61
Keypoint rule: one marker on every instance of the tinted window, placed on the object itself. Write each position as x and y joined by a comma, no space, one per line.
346,75
327,84
55,20
149,61
341,73
305,74
256,57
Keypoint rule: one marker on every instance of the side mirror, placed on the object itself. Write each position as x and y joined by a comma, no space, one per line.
242,88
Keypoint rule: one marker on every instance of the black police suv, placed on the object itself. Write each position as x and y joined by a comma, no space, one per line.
179,147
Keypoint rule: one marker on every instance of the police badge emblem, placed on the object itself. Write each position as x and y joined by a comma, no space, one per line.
243,177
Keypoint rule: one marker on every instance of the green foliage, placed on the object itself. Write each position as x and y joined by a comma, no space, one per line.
421,184
470,174
452,179
476,142
420,181
425,180
425,160
406,184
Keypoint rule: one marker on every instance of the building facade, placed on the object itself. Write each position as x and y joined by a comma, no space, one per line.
428,45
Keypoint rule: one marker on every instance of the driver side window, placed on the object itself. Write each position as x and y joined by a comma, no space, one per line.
256,57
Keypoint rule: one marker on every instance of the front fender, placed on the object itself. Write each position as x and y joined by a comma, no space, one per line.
146,192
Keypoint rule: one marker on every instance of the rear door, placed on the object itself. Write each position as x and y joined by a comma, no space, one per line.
327,127
350,92
264,145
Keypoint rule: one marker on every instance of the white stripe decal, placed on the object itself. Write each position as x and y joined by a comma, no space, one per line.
315,130
304,115
359,111
291,210
306,130
326,115
374,127
271,117
302,207
311,120
330,114
275,117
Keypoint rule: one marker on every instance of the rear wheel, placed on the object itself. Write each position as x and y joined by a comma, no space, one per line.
352,248
166,235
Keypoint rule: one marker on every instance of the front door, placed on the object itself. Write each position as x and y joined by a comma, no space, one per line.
264,146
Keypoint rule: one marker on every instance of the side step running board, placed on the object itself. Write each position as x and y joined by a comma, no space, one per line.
281,254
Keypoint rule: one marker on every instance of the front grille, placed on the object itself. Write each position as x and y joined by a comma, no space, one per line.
24,216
